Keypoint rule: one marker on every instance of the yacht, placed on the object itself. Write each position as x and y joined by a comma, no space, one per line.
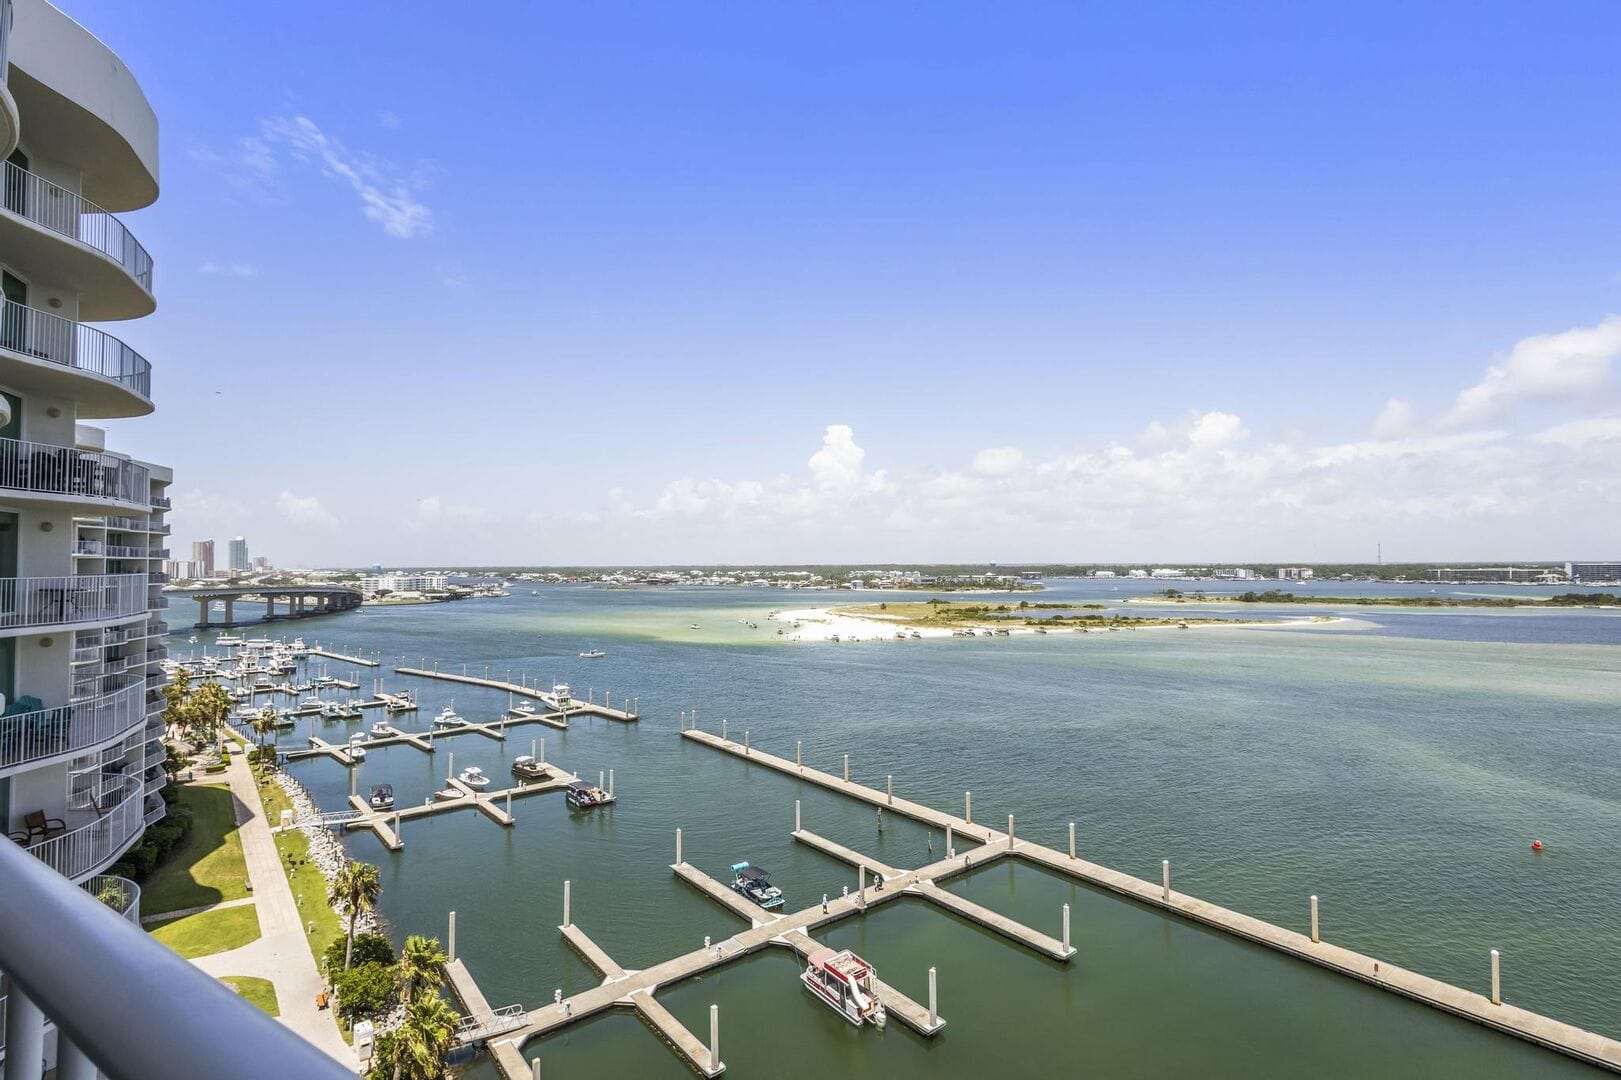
562,693
449,718
753,882
382,797
844,983
474,777
525,767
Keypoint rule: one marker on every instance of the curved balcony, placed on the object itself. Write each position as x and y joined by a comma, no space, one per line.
87,722
102,260
64,474
120,894
70,601
104,818
58,356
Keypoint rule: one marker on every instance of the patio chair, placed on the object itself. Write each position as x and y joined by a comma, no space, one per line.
41,827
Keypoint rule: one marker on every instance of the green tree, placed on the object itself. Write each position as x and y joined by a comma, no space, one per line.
369,949
176,692
355,889
421,967
364,990
263,723
416,1049
206,710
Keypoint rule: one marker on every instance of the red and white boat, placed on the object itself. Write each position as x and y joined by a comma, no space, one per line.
844,982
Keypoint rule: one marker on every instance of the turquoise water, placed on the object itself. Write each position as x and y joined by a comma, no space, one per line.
1398,765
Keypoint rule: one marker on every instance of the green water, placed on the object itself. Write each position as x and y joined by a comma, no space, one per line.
1398,769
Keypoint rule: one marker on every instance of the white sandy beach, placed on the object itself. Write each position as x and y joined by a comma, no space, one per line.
824,624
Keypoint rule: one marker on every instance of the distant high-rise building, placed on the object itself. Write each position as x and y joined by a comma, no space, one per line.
260,564
202,555
239,553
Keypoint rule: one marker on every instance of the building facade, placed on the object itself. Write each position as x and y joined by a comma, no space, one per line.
1594,573
82,530
239,554
202,557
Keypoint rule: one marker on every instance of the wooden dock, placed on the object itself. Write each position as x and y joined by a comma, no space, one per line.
333,655
424,740
728,898
387,825
1556,1035
593,954
536,692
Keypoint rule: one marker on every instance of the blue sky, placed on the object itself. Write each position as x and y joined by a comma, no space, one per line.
607,283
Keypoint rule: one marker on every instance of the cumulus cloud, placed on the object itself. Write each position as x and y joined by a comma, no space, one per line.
305,511
1560,367
432,513
1395,419
998,460
387,196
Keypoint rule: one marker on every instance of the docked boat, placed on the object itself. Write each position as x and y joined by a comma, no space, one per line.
381,730
474,777
449,794
844,983
592,654
332,711
382,797
402,702
449,718
357,746
754,883
524,707
583,796
563,694
525,767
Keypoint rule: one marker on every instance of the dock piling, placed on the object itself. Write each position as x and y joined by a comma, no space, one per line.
566,923
678,847
951,852
1497,980
723,729
452,770
934,1011
534,1069
714,1038
1010,832
1072,840
889,788
846,768
509,806
968,807
1066,928
397,838
861,887
1314,936
602,780
354,779
745,742
450,944
610,783
799,756
1165,875
796,815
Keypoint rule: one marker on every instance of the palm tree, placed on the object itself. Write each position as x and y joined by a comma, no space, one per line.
420,967
264,723
423,1038
355,889
206,709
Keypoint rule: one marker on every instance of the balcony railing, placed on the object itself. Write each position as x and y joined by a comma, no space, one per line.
160,503
52,601
72,215
44,336
111,816
87,547
63,470
73,961
125,551
44,733
157,553
120,894
157,577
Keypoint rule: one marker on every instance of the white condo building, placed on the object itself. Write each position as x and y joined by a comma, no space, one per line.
82,532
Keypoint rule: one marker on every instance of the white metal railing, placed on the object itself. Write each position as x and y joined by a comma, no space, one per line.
44,336
115,802
52,601
125,551
155,809
87,547
63,470
30,736
507,1018
72,215
120,894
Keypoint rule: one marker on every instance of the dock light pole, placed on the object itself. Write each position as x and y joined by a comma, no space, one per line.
714,1038
796,815
566,923
678,847
1497,980
934,1011
1010,832
450,946
1315,938
1165,874
846,768
1067,949
1072,840
968,807
889,788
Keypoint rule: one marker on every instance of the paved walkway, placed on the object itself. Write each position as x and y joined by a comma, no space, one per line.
165,916
282,953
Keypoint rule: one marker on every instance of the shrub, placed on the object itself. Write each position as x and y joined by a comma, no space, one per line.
369,949
365,990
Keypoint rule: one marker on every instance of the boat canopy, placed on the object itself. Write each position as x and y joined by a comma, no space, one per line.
579,785
752,873
820,957
383,789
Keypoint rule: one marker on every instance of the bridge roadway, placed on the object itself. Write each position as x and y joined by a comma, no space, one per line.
328,599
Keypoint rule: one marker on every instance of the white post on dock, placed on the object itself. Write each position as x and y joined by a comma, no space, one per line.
799,755
714,1038
354,775
452,771
796,815
968,807
683,720
1165,873
397,839
846,768
745,743
565,904
450,948
889,788
934,1011
509,806
1066,930
1314,936
1497,980
601,780
723,729
532,752
542,755
610,783
1010,832
607,699
951,852
861,887
1072,840
678,847
534,1069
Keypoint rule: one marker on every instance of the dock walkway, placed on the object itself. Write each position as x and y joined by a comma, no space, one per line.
331,654
523,689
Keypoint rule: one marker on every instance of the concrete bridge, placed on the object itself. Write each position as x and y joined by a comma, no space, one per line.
300,600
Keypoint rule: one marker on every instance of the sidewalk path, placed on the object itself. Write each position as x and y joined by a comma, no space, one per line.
282,953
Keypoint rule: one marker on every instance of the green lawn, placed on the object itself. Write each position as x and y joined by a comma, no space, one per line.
207,867
306,881
210,932
257,991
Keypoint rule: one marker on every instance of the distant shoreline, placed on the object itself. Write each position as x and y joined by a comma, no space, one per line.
868,623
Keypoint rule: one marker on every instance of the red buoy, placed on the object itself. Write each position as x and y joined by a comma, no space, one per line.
1536,845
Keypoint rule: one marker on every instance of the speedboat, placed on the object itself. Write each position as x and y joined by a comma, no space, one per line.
381,730
382,797
474,777
357,747
332,711
694,626
593,654
752,882
448,718
449,794
583,796
844,983
525,767
402,702
524,707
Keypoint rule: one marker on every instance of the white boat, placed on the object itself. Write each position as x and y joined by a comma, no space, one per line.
562,693
449,794
381,730
524,707
357,747
448,717
593,654
227,639
694,626
527,768
844,983
402,702
474,777
382,797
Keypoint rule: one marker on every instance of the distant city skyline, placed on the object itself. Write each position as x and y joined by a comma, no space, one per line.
1280,285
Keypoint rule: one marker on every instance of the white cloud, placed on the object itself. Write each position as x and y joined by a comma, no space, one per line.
1580,434
1396,418
433,514
1562,367
305,511
1215,430
386,197
235,269
998,461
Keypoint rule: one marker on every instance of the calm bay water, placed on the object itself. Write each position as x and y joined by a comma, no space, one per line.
1398,765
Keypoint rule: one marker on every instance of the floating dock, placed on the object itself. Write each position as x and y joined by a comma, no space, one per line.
331,654
522,688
